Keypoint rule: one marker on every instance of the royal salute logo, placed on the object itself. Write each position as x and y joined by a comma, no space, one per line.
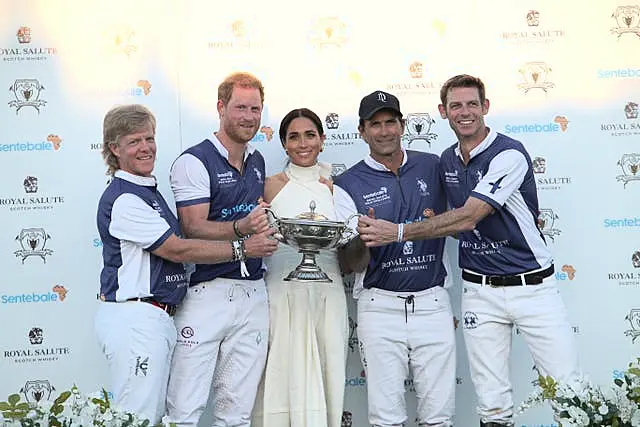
535,76
627,21
236,36
337,169
535,32
627,277
546,223
416,82
36,352
334,137
416,70
544,181
634,322
332,121
30,184
329,32
36,336
630,164
407,248
31,200
27,94
539,165
629,127
37,390
418,127
23,51
33,242
24,35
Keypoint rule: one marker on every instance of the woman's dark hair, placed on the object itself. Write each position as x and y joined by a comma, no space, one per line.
294,114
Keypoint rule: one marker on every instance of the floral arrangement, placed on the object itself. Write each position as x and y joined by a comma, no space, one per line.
70,408
582,403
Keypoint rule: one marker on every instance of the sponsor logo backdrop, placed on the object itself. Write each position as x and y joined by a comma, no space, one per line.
577,114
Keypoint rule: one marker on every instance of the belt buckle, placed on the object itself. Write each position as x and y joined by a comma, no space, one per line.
488,281
171,309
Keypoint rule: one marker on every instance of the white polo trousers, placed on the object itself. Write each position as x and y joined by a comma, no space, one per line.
489,315
397,336
223,328
138,340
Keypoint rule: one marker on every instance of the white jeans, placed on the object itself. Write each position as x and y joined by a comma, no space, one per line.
399,333
223,328
138,340
489,315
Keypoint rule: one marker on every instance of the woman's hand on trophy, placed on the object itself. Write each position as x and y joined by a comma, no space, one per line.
261,244
257,220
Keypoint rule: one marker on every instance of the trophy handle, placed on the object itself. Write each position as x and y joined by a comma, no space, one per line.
275,223
348,233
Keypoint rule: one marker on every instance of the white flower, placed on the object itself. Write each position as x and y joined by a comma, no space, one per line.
603,409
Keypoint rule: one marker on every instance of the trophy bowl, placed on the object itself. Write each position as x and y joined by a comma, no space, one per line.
309,233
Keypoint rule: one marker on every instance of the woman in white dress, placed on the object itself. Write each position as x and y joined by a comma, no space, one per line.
303,384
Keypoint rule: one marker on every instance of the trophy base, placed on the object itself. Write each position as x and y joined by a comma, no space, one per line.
308,271
304,275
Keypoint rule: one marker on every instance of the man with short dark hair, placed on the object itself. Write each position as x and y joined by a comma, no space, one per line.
507,268
405,321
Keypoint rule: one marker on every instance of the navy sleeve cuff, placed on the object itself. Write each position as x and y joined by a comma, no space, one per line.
192,202
486,199
160,241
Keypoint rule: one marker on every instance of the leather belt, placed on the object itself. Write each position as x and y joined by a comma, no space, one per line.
169,309
534,278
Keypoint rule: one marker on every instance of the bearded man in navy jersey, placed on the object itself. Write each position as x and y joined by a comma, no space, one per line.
218,186
405,321
507,268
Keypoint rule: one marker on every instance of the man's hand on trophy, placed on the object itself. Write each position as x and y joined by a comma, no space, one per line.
257,220
376,232
261,244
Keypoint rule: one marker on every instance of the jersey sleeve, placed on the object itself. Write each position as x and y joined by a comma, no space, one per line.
135,221
345,207
190,181
505,175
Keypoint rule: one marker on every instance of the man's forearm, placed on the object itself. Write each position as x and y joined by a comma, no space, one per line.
445,224
209,230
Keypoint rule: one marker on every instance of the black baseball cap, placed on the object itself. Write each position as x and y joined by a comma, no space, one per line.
377,101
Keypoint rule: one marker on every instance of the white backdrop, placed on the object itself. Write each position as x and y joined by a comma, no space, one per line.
563,77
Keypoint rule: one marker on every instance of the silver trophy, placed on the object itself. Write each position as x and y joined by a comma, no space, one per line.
308,233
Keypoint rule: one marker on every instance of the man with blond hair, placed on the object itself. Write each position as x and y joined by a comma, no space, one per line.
224,323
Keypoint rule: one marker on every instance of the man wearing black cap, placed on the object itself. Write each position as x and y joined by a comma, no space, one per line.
507,267
405,321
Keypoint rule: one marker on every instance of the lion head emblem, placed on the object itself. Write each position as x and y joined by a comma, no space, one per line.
332,120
